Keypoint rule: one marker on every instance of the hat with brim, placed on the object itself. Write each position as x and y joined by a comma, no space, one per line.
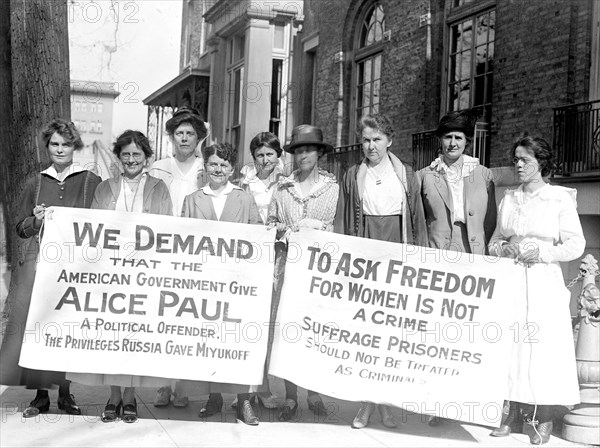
307,135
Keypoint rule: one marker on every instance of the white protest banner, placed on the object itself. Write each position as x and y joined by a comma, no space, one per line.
422,329
128,293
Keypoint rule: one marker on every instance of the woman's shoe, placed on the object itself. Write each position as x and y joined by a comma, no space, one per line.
67,403
267,400
315,404
245,414
363,415
212,406
111,412
180,401
130,414
163,397
37,406
544,430
510,420
288,411
387,417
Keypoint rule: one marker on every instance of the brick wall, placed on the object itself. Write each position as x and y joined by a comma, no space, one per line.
542,57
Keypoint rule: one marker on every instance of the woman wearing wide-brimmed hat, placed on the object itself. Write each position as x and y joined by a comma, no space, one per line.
307,198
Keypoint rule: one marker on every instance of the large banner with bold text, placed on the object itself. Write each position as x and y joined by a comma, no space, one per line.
426,330
128,293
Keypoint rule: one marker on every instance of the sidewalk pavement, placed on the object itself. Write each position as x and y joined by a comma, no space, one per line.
171,427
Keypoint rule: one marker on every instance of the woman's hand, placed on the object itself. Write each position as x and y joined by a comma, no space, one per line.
529,253
510,250
39,212
311,223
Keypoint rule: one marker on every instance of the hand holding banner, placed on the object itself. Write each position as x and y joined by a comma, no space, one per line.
419,328
126,293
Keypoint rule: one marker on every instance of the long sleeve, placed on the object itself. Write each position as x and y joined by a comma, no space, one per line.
343,223
491,215
418,209
499,237
26,227
572,242
254,215
164,199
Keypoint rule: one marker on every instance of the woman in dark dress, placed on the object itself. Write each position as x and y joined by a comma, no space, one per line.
62,184
374,203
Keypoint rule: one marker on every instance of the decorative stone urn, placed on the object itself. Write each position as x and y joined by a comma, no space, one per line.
582,424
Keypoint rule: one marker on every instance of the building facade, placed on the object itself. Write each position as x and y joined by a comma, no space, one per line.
525,65
235,69
92,113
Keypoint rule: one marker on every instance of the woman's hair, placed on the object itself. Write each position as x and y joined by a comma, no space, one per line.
458,121
66,129
186,115
541,150
379,122
265,139
223,150
129,136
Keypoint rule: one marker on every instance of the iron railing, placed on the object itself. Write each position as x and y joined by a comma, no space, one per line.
342,158
577,138
426,146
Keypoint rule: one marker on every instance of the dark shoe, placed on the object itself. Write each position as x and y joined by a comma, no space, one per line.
288,411
130,414
267,400
315,404
67,403
234,403
245,414
111,412
510,420
387,417
212,406
37,406
544,430
163,397
363,415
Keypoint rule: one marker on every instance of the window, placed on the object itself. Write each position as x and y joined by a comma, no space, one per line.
470,61
83,125
367,61
83,106
77,106
100,108
235,78
99,127
93,107
276,86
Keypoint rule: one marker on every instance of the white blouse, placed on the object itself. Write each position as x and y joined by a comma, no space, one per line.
546,218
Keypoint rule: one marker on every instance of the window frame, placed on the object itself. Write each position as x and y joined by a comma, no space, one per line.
359,56
454,16
236,52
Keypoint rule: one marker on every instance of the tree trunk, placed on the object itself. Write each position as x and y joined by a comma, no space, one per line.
34,89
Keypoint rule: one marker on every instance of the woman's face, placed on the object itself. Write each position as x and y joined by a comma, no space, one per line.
306,157
61,151
453,146
219,171
185,139
526,165
375,145
133,160
265,159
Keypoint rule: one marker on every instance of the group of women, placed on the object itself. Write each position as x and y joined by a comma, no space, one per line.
450,204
